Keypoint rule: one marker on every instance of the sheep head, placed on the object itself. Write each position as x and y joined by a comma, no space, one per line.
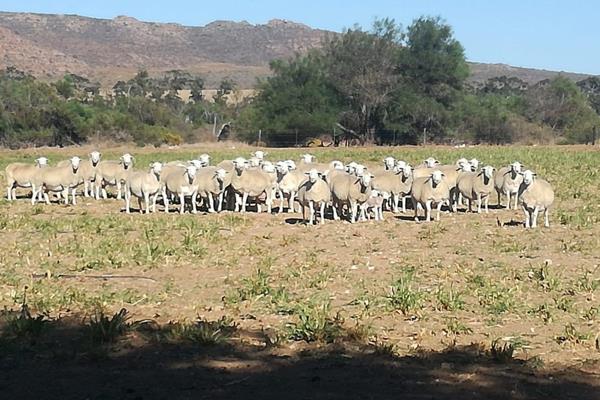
436,177
127,160
431,162
474,163
389,162
307,158
75,161
191,171
156,168
313,175
528,177
204,159
488,171
41,161
95,157
516,167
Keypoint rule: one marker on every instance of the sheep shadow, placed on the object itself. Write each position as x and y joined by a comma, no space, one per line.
140,366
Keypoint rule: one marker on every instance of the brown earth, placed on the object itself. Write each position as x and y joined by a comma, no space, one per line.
426,352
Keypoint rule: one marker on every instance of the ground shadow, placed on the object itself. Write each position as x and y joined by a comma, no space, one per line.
61,366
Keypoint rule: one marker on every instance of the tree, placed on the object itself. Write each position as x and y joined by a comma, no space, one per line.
362,67
297,102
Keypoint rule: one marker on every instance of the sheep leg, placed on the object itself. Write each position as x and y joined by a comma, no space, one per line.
46,197
478,203
291,202
536,210
439,209
65,194
154,202
194,200
353,212
414,203
244,200
516,200
165,200
526,211
322,212
311,207
182,203
147,202
74,195
140,206
487,202
280,194
303,213
9,192
211,203
220,201
404,204
546,218
428,211
336,217
127,202
269,201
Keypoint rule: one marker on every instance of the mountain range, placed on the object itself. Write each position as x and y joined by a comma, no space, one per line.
108,50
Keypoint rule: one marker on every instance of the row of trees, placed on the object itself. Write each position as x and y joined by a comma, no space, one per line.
388,85
73,110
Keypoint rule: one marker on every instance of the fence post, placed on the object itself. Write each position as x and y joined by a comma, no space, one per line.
259,136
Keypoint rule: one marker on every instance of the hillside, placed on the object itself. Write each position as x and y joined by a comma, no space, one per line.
48,45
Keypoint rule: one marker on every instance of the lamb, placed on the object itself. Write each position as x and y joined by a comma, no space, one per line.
388,183
21,174
57,179
314,192
428,192
429,162
536,195
250,183
375,203
142,184
352,191
211,185
405,185
113,173
182,183
507,182
288,183
87,172
477,186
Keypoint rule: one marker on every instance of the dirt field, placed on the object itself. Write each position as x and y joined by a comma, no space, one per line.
249,306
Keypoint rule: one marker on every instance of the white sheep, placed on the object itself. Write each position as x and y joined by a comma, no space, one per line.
535,195
211,186
57,179
21,174
477,186
428,192
252,183
113,173
181,183
288,183
351,191
143,185
312,193
87,172
507,182
374,203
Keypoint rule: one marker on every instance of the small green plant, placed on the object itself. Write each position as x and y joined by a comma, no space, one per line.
455,327
542,311
24,326
450,299
571,334
545,278
103,329
314,323
202,331
502,352
402,296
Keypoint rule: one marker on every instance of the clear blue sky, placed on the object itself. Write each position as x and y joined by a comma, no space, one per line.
549,34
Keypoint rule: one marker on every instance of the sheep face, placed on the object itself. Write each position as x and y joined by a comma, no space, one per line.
307,158
313,175
516,167
360,170
156,168
282,168
204,159
220,174
41,161
290,164
191,171
127,160
75,161
401,164
528,177
365,179
431,162
466,167
436,177
240,164
268,167
488,171
255,161
474,163
95,157
196,163
461,161
389,162
259,154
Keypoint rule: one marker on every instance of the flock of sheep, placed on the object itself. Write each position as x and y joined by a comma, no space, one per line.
353,191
